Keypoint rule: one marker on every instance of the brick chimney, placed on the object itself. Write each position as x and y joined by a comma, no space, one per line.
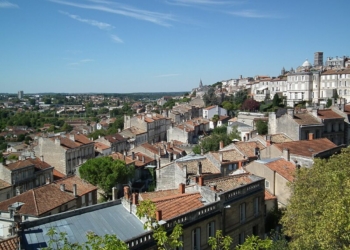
126,192
213,187
181,188
200,181
135,198
159,215
239,164
221,145
311,136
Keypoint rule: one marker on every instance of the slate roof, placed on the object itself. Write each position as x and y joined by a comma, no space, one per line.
105,218
307,147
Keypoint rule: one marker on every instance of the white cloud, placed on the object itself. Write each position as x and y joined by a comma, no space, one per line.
124,10
100,25
116,39
251,14
5,4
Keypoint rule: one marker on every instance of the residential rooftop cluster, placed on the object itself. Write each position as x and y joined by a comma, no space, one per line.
231,188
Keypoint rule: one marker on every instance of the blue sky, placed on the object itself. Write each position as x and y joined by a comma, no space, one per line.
127,46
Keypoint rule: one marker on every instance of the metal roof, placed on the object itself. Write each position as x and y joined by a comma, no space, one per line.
114,219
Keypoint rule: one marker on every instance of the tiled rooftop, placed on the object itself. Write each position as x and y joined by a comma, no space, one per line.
173,205
269,196
83,187
228,156
305,118
228,182
248,148
192,166
307,147
10,243
283,167
328,114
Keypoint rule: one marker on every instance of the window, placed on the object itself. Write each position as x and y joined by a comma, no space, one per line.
242,212
267,184
82,199
241,238
211,229
196,239
256,206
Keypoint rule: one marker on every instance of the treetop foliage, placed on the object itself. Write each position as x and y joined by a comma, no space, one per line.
317,216
105,172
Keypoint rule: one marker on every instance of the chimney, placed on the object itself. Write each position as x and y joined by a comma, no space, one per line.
143,158
71,136
42,158
200,181
133,155
311,136
75,192
285,154
126,192
199,170
181,188
239,164
135,198
268,140
290,112
314,112
221,155
213,187
114,193
221,145
159,215
63,187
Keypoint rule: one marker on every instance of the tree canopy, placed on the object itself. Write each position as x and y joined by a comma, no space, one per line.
212,142
106,173
317,216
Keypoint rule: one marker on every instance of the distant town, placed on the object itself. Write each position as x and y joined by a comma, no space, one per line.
224,161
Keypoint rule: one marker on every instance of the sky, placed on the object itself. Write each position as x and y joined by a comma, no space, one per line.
111,46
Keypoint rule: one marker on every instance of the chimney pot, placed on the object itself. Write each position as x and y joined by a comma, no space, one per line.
311,136
159,215
181,188
200,181
126,192
135,198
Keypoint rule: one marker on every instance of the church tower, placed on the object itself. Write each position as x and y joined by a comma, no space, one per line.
200,84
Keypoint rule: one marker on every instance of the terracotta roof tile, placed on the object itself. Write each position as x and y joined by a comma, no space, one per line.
283,167
269,196
228,182
328,114
305,118
307,148
100,145
4,184
158,194
192,166
175,205
228,156
210,107
10,243
248,148
119,156
83,187
38,164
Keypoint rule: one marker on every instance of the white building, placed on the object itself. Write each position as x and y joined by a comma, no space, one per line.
209,112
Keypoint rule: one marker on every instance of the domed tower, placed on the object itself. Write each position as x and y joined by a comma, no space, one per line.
307,65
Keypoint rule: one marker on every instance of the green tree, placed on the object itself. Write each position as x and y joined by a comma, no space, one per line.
220,242
212,142
262,127
147,209
255,243
276,101
317,216
94,242
106,173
